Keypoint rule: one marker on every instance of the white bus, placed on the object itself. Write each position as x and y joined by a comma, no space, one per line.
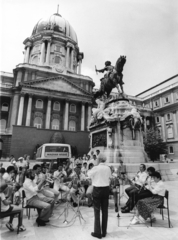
53,151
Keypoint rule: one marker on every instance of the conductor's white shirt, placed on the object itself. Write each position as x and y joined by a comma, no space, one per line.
100,175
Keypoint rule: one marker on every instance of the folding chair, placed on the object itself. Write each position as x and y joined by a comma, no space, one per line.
26,206
162,207
13,213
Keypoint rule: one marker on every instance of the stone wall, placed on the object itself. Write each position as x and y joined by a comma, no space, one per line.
25,139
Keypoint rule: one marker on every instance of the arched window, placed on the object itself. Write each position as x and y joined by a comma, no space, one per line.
5,107
57,59
72,108
56,106
39,103
72,125
3,124
55,124
38,122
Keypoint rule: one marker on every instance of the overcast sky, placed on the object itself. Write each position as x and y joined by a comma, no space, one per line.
146,31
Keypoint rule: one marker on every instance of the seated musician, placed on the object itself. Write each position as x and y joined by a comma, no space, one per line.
58,177
90,187
136,185
146,206
84,168
45,190
114,184
34,199
76,185
8,176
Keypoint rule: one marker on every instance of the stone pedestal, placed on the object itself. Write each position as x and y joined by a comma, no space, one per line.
115,129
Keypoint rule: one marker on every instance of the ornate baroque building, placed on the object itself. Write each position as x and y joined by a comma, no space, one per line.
47,92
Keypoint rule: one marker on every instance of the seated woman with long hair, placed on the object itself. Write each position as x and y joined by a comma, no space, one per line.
145,207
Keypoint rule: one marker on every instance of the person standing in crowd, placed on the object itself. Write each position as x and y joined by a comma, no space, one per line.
100,176
146,206
137,183
12,160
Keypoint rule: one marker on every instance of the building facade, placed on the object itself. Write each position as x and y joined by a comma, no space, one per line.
47,94
162,99
47,91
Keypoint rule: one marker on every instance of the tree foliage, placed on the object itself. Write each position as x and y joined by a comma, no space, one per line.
153,143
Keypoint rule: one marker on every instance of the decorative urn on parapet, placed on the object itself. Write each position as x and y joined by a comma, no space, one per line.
115,126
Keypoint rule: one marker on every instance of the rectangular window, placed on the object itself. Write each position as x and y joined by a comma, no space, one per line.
168,117
166,99
171,150
157,119
156,103
57,48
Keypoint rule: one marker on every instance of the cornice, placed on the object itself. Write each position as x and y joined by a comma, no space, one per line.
55,78
57,91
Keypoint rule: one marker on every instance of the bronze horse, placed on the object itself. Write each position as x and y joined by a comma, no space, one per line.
115,78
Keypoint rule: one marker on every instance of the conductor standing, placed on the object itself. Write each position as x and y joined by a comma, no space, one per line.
100,176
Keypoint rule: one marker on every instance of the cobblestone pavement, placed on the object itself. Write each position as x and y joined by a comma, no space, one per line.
118,228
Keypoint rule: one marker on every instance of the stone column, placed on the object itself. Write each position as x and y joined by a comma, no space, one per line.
72,59
175,124
18,78
33,75
67,57
89,116
42,53
66,116
79,67
163,128
27,54
29,111
48,114
21,107
48,52
15,103
26,76
145,126
10,112
83,117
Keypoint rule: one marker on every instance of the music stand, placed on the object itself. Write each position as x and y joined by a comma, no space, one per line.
66,211
78,213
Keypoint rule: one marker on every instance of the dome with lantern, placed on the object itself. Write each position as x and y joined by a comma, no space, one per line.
57,24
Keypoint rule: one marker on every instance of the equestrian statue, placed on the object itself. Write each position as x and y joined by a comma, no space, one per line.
112,79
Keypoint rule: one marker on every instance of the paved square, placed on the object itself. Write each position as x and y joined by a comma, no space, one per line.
118,228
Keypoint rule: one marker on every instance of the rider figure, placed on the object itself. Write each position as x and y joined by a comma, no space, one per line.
108,67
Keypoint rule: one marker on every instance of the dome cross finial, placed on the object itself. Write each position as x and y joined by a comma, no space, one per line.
58,9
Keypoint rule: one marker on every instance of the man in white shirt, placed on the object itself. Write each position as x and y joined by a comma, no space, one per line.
137,183
100,176
41,202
